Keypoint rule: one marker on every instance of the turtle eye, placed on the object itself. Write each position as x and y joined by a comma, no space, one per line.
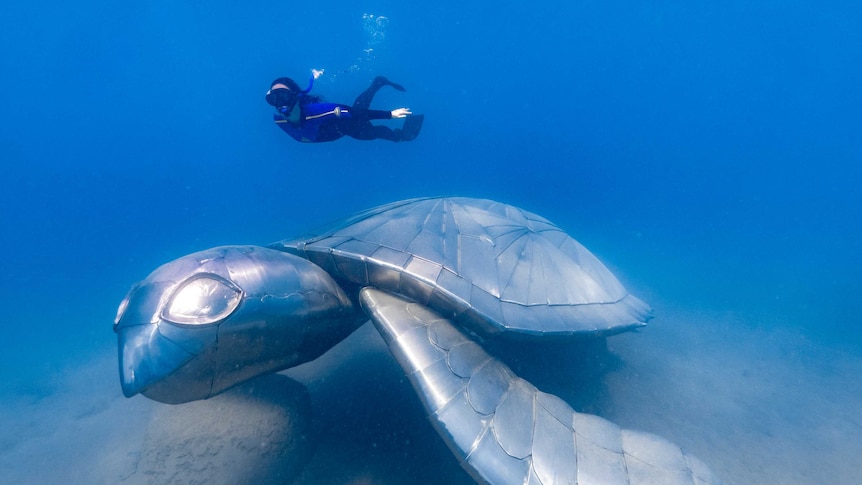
202,299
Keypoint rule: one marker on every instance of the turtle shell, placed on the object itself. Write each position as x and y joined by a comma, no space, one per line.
490,266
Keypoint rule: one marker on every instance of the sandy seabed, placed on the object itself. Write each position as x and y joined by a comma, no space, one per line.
760,402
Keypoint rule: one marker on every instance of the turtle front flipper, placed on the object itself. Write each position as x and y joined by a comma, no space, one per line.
502,429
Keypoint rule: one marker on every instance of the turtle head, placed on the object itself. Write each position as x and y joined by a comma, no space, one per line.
213,319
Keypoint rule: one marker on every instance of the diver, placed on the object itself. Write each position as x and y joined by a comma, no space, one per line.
307,118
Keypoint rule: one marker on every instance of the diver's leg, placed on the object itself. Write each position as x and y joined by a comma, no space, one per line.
363,101
329,132
367,131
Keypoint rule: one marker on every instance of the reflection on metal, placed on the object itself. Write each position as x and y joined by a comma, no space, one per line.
202,300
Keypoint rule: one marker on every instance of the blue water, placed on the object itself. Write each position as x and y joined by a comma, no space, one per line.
710,153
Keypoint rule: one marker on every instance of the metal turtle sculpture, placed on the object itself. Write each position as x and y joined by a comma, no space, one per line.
437,277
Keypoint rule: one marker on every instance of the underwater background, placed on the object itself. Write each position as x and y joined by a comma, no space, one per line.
708,153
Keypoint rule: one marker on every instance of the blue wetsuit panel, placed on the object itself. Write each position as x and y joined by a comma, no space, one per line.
318,122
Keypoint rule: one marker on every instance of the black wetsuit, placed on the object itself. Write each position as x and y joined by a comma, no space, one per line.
312,121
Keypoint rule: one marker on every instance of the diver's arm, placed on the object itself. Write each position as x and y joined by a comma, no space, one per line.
375,114
315,73
325,111
321,111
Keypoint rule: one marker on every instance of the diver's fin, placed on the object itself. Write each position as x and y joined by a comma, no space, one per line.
412,127
382,81
504,430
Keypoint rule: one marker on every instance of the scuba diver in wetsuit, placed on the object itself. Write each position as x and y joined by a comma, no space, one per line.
307,119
